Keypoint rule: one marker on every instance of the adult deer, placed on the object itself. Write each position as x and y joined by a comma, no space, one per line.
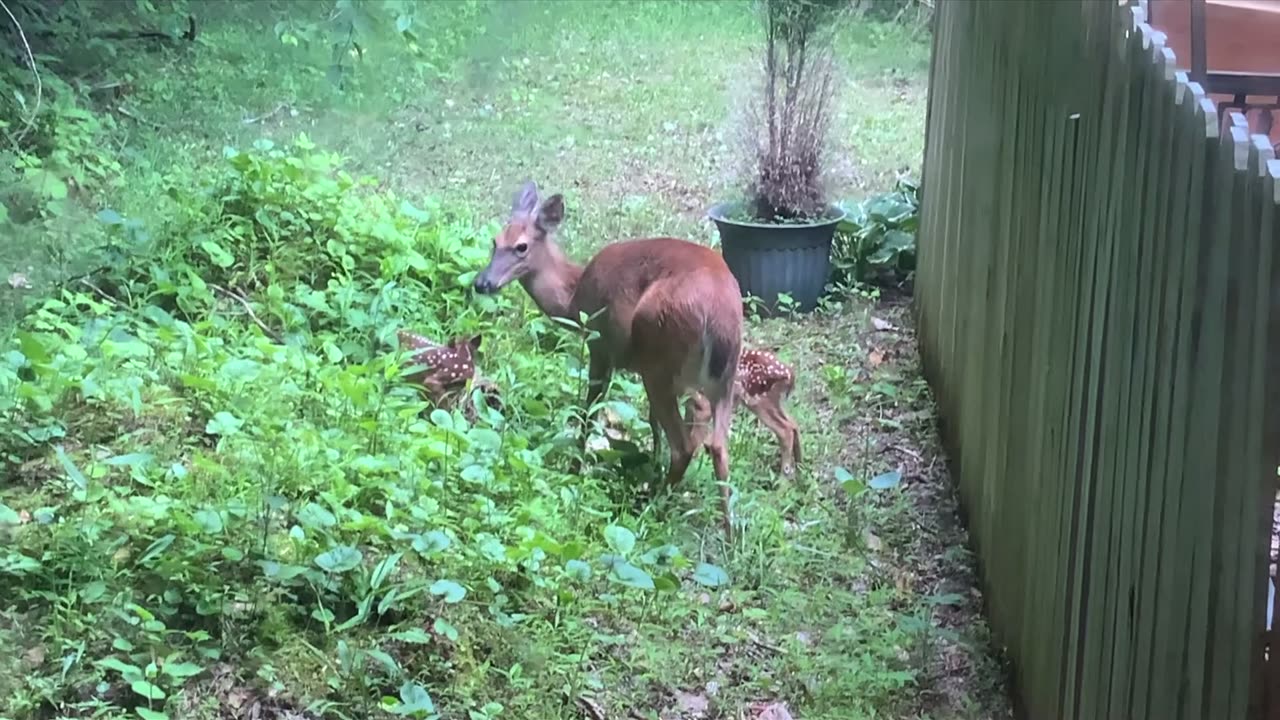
667,309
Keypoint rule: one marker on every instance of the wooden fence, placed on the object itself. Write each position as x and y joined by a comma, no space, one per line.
1098,300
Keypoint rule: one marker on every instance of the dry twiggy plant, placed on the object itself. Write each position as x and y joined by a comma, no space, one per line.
794,113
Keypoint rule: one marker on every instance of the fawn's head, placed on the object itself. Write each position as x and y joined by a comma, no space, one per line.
525,242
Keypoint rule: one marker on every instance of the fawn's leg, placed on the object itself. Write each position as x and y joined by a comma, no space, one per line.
697,414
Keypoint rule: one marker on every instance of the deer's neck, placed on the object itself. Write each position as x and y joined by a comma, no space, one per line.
552,285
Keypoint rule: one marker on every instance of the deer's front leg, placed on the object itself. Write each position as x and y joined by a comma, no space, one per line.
599,371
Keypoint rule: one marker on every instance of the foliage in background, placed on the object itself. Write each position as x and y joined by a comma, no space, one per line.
213,469
876,241
76,74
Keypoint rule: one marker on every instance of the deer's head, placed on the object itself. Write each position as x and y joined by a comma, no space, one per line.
525,243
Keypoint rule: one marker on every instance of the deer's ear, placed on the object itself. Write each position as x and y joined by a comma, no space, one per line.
475,341
551,214
526,200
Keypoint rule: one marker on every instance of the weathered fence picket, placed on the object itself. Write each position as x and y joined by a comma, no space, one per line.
1098,299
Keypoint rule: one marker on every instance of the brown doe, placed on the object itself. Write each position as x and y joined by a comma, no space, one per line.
763,383
445,369
667,309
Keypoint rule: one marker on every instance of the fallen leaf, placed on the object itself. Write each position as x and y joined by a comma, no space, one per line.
876,358
772,711
692,704
33,657
881,325
24,517
18,281
871,540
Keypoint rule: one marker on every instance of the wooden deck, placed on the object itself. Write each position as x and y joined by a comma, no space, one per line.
1240,36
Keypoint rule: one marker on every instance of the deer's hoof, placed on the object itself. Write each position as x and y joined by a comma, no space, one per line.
788,470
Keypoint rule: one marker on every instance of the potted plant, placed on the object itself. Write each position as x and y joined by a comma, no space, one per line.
778,238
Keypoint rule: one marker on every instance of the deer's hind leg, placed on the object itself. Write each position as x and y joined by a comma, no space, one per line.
664,406
722,406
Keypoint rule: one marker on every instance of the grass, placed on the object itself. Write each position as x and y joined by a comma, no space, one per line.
277,525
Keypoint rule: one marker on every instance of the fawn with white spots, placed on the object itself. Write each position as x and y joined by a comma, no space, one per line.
667,309
446,369
762,384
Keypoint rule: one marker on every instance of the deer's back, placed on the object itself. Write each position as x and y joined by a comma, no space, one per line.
684,293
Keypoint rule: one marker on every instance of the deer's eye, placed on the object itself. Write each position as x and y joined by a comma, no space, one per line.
522,248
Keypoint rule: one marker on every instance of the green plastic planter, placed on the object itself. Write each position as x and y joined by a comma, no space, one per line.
769,260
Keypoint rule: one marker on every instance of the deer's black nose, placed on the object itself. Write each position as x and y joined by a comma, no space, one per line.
484,285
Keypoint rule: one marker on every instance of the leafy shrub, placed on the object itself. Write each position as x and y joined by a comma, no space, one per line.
200,488
876,242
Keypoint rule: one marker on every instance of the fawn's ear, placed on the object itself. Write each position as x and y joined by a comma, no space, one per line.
475,341
526,200
551,214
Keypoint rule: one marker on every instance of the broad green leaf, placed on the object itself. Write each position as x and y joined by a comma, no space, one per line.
218,254
9,516
417,636
442,419
624,573
157,548
93,591
108,216
578,570
130,460
127,671
147,714
181,670
223,423
445,628
886,481
661,555
315,515
710,575
414,699
666,583
945,599
622,540
147,690
384,570
431,543
340,559
493,549
72,471
451,591
210,521
484,438
280,573
852,485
